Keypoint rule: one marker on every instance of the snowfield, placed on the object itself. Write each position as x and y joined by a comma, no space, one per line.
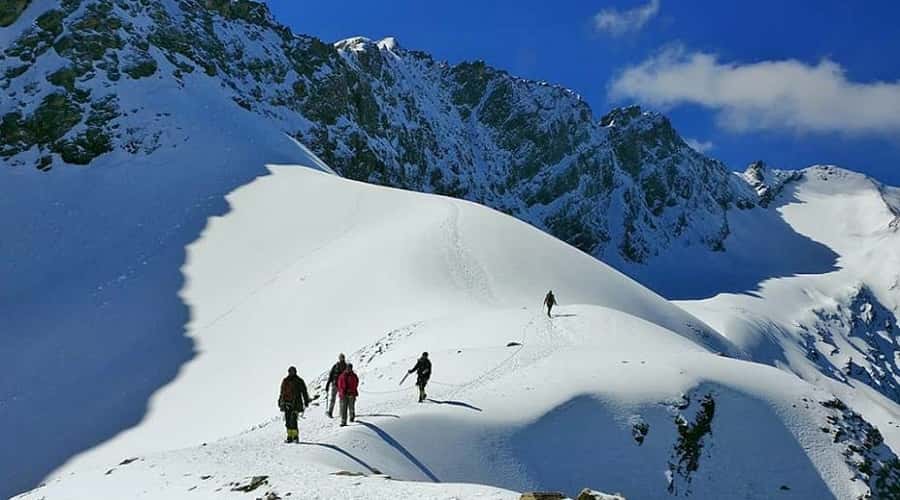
620,391
815,324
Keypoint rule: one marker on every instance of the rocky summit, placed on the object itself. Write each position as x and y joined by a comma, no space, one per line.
623,188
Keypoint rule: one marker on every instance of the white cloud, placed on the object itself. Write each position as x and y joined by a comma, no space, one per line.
775,95
699,146
617,23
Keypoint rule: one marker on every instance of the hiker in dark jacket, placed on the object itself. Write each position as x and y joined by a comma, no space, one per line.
348,390
292,400
549,301
423,373
331,388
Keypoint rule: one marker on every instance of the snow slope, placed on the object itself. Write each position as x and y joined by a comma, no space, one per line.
837,327
620,391
314,257
91,323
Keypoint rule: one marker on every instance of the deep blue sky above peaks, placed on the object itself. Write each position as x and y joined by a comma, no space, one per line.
791,83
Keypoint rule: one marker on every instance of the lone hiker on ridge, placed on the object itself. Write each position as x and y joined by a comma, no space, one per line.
292,400
423,373
549,301
348,390
331,388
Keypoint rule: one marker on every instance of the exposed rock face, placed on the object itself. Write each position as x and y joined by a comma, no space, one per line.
10,10
767,182
688,450
864,449
856,339
250,484
587,494
624,188
542,495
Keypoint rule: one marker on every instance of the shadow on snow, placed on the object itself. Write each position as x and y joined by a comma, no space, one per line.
387,438
345,453
761,246
455,403
90,313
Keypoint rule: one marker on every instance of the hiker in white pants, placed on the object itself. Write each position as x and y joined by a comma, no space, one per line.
331,387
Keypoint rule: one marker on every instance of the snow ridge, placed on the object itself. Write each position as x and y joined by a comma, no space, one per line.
517,400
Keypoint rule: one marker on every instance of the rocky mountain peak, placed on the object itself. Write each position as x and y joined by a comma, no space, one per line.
388,43
361,43
356,44
768,182
620,117
756,170
623,188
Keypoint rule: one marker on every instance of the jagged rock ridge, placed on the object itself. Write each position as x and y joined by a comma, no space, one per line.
623,188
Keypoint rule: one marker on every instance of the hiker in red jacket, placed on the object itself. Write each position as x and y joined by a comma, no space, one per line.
292,400
348,389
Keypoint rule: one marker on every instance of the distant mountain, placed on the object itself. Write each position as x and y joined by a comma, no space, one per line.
623,188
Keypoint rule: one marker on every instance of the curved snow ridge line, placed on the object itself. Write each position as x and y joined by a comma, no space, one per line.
889,196
892,201
392,271
317,163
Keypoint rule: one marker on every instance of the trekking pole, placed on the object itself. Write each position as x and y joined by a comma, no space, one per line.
404,378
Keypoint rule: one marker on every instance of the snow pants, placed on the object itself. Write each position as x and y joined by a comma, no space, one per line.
422,394
332,397
290,419
348,408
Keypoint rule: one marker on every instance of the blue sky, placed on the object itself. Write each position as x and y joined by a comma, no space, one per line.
791,83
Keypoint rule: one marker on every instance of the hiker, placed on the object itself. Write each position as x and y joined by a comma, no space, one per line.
348,390
331,388
423,373
549,301
292,400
